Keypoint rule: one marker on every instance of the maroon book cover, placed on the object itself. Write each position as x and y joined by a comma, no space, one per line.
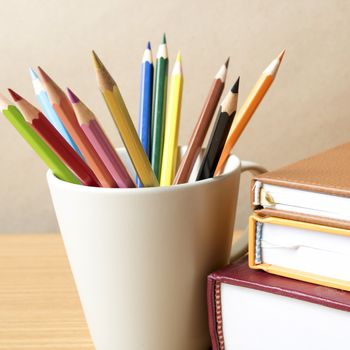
240,274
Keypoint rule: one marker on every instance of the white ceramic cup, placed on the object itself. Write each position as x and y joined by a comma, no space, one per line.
140,257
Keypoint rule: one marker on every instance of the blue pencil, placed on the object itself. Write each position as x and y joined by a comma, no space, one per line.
146,93
49,112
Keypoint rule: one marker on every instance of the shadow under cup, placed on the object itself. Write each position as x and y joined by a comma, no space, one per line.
140,257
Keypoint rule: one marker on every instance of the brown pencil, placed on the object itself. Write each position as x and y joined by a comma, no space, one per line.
202,126
64,110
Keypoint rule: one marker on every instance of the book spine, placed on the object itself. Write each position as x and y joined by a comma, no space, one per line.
256,187
258,238
215,314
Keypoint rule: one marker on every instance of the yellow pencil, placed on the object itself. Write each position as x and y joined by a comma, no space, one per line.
172,125
122,119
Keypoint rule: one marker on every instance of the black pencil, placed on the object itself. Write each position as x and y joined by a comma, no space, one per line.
219,134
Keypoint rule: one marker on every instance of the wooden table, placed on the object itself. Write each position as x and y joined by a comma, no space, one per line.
39,305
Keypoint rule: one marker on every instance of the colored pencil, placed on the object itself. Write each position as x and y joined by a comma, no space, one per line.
145,112
172,125
64,110
159,107
94,132
248,108
219,134
202,126
122,119
15,117
55,140
46,107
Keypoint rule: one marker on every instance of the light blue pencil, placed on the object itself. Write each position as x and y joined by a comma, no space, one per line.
146,94
49,112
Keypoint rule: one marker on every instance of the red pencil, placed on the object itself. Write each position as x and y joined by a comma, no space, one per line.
57,143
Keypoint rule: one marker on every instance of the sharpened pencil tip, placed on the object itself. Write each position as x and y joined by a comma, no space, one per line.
72,96
178,57
148,45
43,74
227,62
33,74
164,39
4,102
14,95
280,56
235,87
97,61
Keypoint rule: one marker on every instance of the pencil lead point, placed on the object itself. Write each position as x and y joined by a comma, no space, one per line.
178,57
33,74
15,96
43,74
97,61
280,56
227,62
72,97
164,39
235,87
148,45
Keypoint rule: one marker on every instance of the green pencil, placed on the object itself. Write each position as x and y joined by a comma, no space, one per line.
159,107
15,117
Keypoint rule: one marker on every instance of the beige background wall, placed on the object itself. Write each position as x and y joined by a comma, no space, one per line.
306,110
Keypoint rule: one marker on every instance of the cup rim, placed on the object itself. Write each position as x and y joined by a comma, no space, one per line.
51,178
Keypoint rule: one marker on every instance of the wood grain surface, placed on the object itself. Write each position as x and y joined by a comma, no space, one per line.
39,305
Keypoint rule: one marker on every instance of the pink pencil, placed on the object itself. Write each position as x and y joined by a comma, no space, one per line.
100,142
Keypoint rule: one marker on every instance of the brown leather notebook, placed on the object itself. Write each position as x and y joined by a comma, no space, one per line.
315,190
251,309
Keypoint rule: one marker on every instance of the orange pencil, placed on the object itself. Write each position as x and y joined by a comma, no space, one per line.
248,108
64,110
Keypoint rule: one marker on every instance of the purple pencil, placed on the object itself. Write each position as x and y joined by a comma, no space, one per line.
93,131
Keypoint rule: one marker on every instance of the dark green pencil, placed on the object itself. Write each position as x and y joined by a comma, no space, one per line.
159,107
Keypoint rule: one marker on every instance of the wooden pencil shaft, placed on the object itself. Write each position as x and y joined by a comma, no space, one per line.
55,140
199,132
158,117
64,110
130,138
49,112
145,114
248,108
66,113
38,145
216,144
64,151
122,119
108,154
145,109
171,131
99,140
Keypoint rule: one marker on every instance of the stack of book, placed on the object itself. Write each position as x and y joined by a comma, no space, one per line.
293,290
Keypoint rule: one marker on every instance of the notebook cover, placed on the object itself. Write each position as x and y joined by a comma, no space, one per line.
327,172
312,219
291,273
240,274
